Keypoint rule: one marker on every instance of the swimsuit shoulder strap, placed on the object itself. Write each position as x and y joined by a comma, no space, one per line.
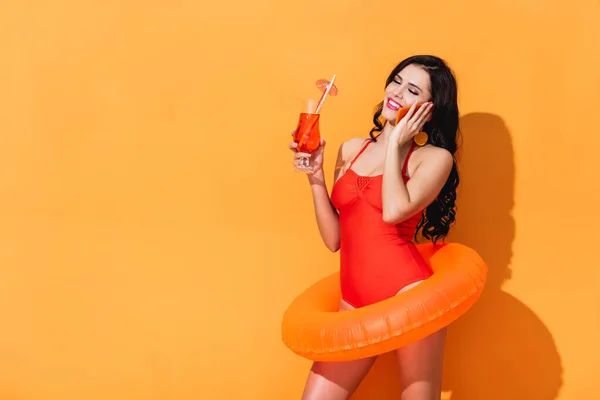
360,152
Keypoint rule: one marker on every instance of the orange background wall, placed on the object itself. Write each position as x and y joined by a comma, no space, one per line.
152,231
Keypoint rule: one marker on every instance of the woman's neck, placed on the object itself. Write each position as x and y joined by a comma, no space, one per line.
386,132
384,137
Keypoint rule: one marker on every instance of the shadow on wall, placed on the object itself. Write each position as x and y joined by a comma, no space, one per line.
499,349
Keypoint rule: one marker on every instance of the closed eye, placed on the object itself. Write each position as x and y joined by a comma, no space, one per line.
398,80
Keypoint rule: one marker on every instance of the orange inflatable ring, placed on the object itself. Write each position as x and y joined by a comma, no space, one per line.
313,328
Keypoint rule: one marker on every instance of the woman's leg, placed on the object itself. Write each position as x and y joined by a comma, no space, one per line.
420,365
336,380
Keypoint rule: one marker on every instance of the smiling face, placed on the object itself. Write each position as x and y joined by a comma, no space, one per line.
412,84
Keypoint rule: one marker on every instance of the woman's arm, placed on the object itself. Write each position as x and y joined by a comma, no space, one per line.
325,212
401,201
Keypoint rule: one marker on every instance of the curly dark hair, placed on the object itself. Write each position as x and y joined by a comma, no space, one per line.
443,131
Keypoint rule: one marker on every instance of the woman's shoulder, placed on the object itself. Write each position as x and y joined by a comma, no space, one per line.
433,153
351,146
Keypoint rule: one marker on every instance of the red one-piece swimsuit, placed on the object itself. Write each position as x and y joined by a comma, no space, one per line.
377,259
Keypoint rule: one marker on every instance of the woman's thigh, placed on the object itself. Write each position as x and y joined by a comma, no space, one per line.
420,365
336,380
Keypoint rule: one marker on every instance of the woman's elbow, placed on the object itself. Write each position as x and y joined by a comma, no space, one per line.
333,246
394,217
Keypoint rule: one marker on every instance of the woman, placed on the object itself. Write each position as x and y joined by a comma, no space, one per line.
387,189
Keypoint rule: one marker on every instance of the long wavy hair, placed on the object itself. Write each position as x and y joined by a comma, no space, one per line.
443,131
